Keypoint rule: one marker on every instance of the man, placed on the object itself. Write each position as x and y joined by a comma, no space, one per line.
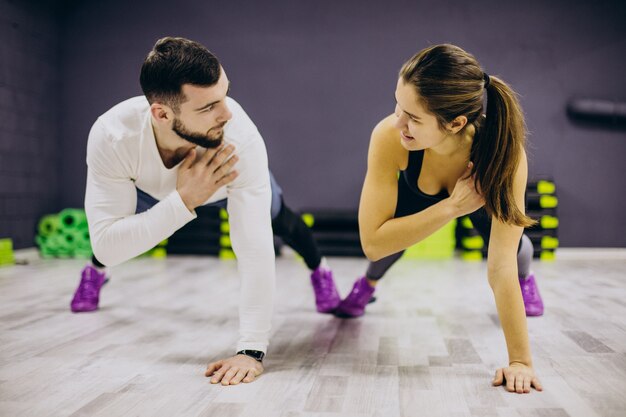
152,160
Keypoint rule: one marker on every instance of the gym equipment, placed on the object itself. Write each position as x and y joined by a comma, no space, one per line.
541,203
6,252
336,232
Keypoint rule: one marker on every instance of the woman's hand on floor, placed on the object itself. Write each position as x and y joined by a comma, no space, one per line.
518,378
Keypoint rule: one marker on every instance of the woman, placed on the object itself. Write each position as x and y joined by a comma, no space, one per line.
453,160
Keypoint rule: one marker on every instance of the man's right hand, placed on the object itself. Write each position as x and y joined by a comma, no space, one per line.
199,180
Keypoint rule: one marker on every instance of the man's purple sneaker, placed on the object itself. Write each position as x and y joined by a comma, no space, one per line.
532,298
87,294
326,295
354,304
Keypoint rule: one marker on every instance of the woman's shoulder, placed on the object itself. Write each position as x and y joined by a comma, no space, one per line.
385,142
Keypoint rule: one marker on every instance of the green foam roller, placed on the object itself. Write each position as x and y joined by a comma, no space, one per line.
549,222
83,253
225,227
40,240
72,219
547,255
308,219
57,242
223,214
82,240
48,224
76,238
548,201
473,242
549,242
546,187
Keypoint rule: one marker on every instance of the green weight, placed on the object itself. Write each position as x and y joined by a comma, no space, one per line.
546,187
549,242
473,242
227,254
548,201
308,219
549,222
466,222
472,255
225,242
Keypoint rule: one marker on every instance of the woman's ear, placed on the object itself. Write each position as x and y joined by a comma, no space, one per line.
457,124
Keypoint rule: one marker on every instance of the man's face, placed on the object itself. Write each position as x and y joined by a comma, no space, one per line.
202,117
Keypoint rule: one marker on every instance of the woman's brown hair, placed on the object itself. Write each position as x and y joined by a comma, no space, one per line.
451,83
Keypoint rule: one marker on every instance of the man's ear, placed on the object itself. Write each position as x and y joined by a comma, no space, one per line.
457,124
161,113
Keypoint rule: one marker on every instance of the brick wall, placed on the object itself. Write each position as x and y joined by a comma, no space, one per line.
29,114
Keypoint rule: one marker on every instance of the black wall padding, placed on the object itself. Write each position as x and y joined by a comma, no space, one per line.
610,113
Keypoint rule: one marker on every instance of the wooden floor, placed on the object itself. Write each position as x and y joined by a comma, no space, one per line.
428,347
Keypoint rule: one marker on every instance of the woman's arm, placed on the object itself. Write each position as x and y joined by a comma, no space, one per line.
503,279
381,233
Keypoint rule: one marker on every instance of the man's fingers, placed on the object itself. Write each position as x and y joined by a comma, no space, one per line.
250,376
217,377
210,153
229,375
221,156
226,166
212,367
497,380
537,384
227,179
189,159
239,377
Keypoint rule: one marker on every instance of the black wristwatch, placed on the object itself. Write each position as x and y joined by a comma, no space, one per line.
254,354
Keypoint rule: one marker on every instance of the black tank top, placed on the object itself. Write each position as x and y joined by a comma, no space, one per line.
412,200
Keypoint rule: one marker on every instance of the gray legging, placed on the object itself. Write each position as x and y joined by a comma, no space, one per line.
376,270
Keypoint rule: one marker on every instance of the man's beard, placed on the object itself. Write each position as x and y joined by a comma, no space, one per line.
205,140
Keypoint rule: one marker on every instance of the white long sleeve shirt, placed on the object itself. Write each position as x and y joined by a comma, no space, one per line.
122,155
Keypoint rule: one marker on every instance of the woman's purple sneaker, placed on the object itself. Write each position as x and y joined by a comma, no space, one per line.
87,294
532,298
326,295
354,304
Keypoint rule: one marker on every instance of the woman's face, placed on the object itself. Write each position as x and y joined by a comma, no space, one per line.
419,129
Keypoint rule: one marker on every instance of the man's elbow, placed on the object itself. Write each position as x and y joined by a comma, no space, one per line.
103,256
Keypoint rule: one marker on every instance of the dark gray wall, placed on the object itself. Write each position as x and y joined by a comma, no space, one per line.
317,76
29,112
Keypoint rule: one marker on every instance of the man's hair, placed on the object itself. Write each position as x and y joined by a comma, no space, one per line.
172,63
